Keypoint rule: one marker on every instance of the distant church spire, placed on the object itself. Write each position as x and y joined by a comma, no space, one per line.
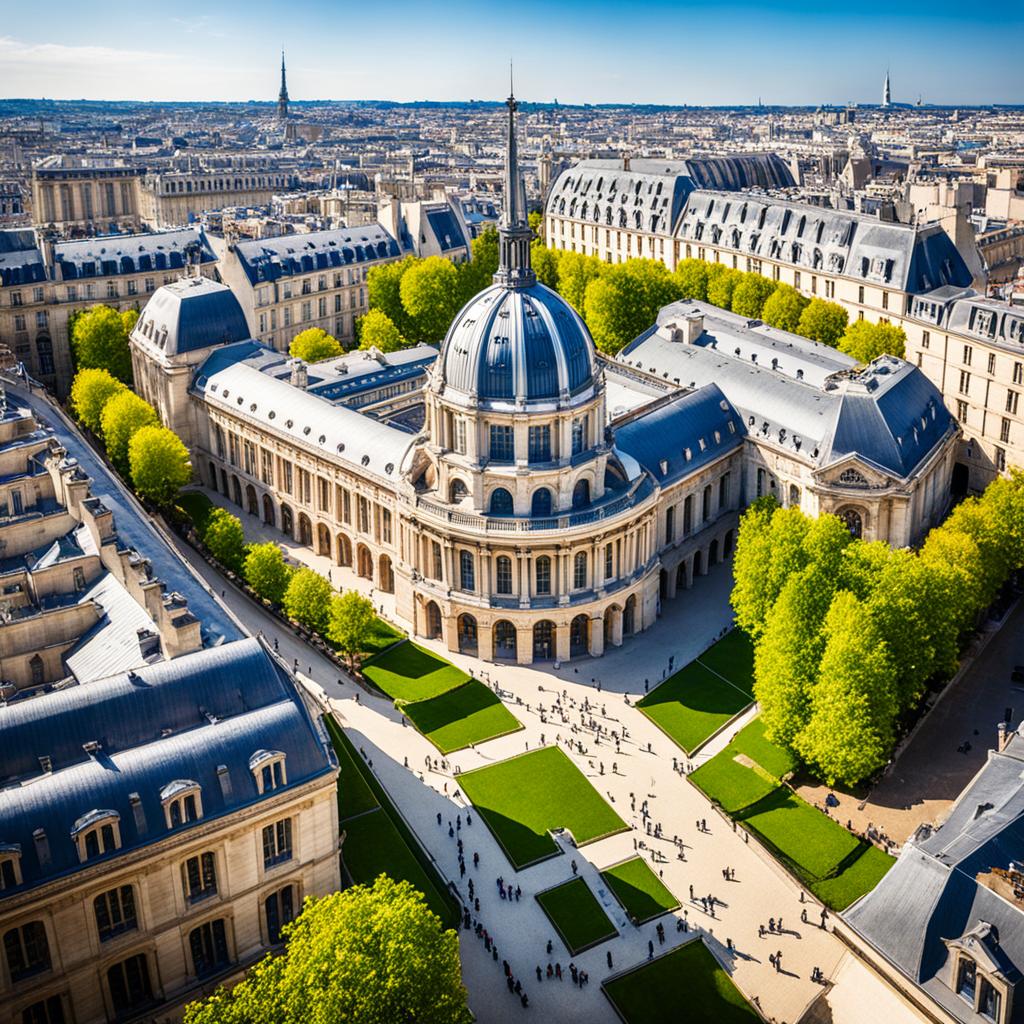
886,91
514,230
282,96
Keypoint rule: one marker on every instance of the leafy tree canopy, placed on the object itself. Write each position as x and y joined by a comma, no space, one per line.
692,277
722,282
866,341
368,955
431,297
384,292
575,272
545,264
377,330
159,464
783,308
99,340
225,538
751,294
823,321
624,301
122,415
90,391
307,599
314,344
351,623
266,571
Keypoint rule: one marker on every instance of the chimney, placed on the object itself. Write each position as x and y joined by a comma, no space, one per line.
693,328
625,162
1003,735
299,377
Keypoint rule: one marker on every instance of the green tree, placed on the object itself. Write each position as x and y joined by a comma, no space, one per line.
266,571
351,624
478,272
159,464
377,330
692,278
431,297
866,341
314,344
536,222
624,301
783,308
751,597
545,263
225,539
852,722
722,282
90,391
368,955
100,341
384,292
751,294
575,272
823,321
956,560
121,417
307,599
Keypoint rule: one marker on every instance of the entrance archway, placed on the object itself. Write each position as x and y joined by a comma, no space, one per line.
236,491
364,561
385,576
853,520
467,634
543,640
713,553
579,636
698,564
344,550
504,639
287,521
681,576
629,616
252,503
305,530
323,540
663,584
213,477
268,510
727,544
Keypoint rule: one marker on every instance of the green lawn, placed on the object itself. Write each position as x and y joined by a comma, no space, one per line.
408,672
858,876
641,892
685,985
522,798
577,916
374,846
468,714
378,840
701,697
197,508
734,785
382,636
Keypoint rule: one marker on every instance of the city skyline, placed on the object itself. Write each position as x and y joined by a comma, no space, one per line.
652,54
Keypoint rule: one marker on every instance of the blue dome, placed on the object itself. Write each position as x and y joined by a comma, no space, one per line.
518,345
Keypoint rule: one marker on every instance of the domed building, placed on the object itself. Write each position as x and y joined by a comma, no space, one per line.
523,497
531,541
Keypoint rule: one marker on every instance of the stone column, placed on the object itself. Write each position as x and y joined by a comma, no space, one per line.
670,587
450,632
617,627
562,643
524,645
597,636
484,642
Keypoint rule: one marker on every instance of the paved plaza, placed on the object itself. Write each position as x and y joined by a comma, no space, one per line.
760,890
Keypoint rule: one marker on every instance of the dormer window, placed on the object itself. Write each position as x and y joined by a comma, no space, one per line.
267,767
10,866
182,802
97,833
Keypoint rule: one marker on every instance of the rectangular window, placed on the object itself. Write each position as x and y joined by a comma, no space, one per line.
991,362
688,515
1018,373
460,436
502,447
133,287
670,525
990,1002
277,843
926,339
543,575
200,874
27,950
968,352
1012,398
965,382
209,947
609,561
437,563
286,477
503,575
305,483
363,510
280,910
19,322
129,984
249,457
42,318
346,507
1000,460
579,434
539,447
46,1011
885,300
385,525
467,571
579,571
1004,431
723,491
115,912
961,410
324,487
266,467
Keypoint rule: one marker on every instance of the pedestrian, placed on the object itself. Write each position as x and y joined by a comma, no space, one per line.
451,831
540,975
549,947
524,999
469,818
439,818
519,892
476,860
462,868
691,893
803,916
771,924
801,896
650,950
458,822
505,967
609,955
760,931
551,971
511,984
476,904
778,925
518,986
778,960
575,867
558,971
771,959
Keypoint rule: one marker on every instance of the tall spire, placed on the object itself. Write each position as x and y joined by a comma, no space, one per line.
514,230
886,91
282,96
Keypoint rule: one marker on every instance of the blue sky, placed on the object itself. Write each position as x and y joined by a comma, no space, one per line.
798,52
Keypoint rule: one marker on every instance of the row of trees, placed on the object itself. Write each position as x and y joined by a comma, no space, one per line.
848,633
144,452
99,340
370,955
417,299
346,620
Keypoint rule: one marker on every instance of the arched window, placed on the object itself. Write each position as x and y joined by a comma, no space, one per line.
96,833
794,496
542,573
267,767
503,575
581,494
467,572
541,502
182,802
579,571
457,491
501,502
504,639
27,949
115,912
854,523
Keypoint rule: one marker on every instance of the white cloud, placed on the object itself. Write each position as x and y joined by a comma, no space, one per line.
13,52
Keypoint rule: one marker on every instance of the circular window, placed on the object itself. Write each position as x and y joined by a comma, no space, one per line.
289,424
323,437
271,415
306,430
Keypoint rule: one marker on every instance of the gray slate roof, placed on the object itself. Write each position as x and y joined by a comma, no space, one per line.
220,706
933,892
267,259
191,314
108,256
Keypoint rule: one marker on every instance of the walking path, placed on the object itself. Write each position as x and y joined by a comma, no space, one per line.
520,929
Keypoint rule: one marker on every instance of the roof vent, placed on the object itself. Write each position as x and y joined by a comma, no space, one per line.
45,763
298,374
138,812
224,778
42,846
92,747
799,374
